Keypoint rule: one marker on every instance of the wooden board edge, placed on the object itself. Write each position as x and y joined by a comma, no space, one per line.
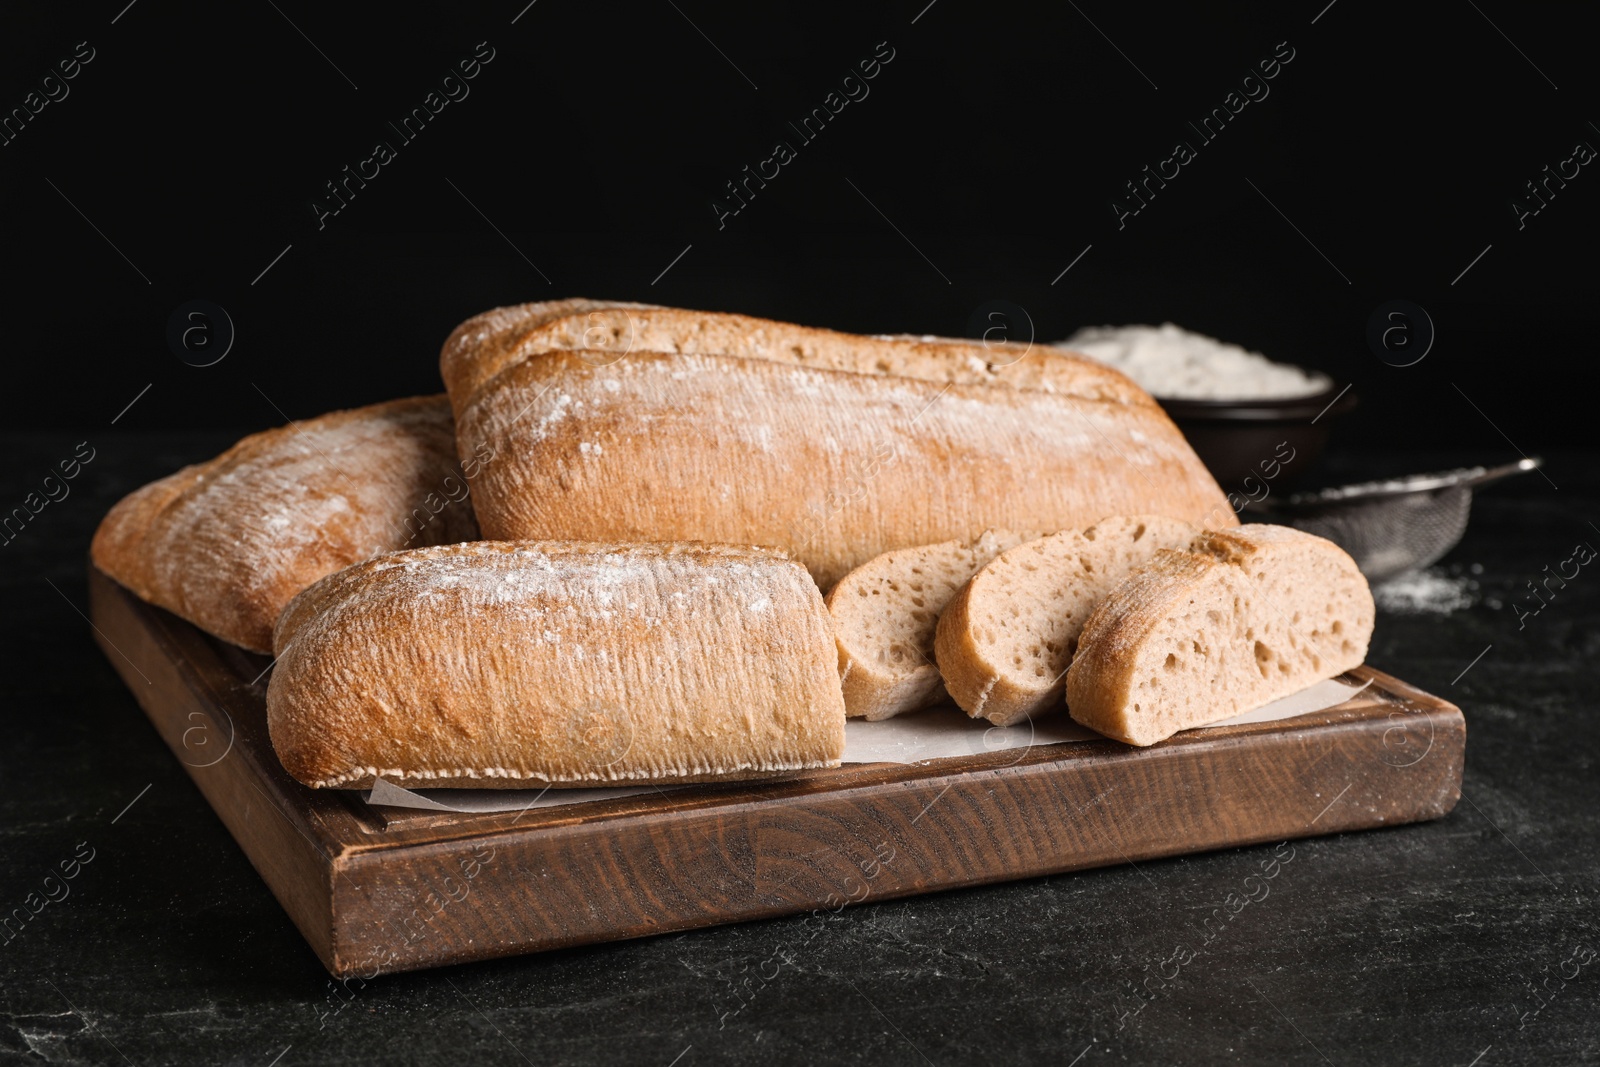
662,875
413,828
282,848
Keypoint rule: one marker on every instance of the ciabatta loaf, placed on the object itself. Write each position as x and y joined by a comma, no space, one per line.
1007,637
529,664
1243,618
884,615
226,543
833,466
487,345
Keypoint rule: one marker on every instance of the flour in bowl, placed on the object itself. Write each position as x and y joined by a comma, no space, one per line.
1173,363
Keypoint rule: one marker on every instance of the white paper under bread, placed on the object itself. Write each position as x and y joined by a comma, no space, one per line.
927,735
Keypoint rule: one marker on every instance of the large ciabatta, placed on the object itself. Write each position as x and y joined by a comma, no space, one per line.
1007,637
226,543
833,466
884,615
1243,618
514,665
486,345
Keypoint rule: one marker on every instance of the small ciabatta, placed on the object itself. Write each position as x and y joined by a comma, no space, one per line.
1007,637
225,544
1244,617
557,663
884,614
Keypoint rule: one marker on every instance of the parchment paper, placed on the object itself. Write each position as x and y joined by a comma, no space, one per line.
926,735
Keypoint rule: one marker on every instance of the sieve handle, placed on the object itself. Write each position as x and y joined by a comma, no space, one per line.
1506,470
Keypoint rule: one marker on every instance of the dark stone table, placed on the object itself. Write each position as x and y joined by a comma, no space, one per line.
1472,940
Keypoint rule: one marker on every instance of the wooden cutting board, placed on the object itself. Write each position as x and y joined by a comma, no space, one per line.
389,889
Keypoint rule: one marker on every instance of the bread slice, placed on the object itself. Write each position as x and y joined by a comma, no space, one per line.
225,544
884,615
486,346
834,467
1247,616
1006,639
510,665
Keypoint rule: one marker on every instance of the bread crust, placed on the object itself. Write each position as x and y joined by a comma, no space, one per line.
487,345
833,466
561,663
1088,562
225,544
1243,618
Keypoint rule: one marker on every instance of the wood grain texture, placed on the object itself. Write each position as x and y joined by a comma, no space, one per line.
383,890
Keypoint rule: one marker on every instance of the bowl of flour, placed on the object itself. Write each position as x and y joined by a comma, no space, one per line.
1258,425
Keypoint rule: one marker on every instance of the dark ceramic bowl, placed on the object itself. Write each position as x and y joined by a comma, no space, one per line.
1257,447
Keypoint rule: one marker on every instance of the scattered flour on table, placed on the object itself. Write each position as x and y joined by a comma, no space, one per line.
1427,592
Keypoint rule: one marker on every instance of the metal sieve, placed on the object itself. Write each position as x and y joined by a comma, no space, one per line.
1393,526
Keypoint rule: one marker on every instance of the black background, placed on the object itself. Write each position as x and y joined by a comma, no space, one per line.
597,138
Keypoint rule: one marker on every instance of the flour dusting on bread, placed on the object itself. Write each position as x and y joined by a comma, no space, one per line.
227,543
561,662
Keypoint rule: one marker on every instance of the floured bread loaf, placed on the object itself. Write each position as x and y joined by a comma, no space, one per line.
226,543
486,345
562,663
488,342
833,466
884,615
1007,637
1243,618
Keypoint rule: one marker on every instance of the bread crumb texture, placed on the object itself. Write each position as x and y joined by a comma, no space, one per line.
1240,619
884,616
1005,647
496,664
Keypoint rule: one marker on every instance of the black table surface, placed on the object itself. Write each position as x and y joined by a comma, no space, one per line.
1472,940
